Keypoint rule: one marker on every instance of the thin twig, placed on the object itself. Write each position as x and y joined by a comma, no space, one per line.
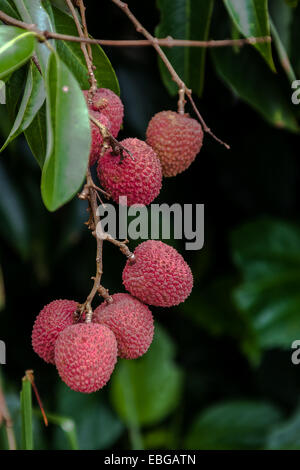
30,376
88,60
5,416
82,9
36,63
122,245
182,88
110,141
165,42
91,195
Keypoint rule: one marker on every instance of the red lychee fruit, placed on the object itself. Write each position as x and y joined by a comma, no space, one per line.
131,321
138,177
52,319
108,103
97,139
159,276
176,138
85,356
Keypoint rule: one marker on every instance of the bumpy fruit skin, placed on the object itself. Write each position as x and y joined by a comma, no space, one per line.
139,179
176,138
131,321
108,103
97,139
85,356
159,276
52,319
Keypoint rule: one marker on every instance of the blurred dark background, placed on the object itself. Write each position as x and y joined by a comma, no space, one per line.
228,353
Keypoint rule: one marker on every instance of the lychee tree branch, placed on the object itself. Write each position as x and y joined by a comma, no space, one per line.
82,9
90,193
182,88
165,42
90,190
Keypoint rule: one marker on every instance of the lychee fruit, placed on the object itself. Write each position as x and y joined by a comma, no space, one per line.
85,356
159,276
52,319
131,321
108,103
138,177
176,138
97,139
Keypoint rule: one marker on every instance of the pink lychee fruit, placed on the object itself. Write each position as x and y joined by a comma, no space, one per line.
108,103
97,139
131,321
176,138
52,319
85,356
138,177
159,276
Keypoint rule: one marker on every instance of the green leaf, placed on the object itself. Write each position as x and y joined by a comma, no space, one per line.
236,425
36,136
8,7
213,308
68,136
33,12
96,425
16,47
71,54
14,90
283,56
26,415
267,252
67,426
61,5
146,390
286,436
251,19
241,70
33,98
14,225
280,22
185,19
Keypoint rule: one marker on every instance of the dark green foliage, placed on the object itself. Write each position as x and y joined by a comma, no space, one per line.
219,373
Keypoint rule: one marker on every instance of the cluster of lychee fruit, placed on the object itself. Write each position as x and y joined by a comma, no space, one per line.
85,354
173,141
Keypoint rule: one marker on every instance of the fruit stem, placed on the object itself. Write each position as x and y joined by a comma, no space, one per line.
90,193
181,85
110,141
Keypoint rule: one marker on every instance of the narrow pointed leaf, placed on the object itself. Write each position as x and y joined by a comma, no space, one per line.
26,415
251,18
189,20
68,136
240,71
